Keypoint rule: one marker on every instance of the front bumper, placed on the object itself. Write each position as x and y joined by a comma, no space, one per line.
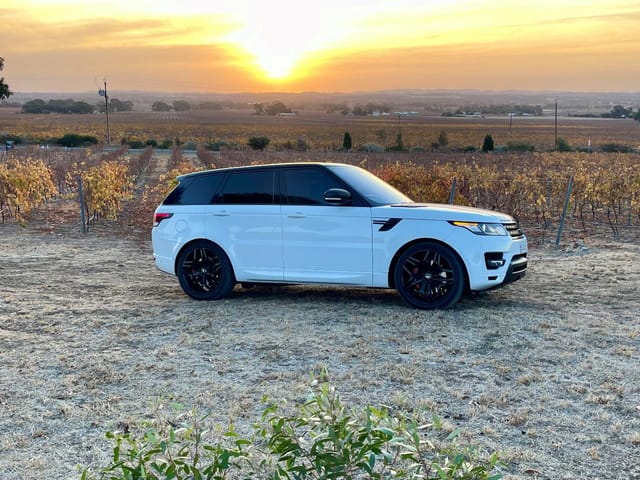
517,270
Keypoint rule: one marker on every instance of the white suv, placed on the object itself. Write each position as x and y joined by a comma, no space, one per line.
327,223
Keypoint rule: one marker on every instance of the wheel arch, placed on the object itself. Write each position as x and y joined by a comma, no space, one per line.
194,240
401,250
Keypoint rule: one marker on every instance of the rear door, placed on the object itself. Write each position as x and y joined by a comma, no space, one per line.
245,219
323,243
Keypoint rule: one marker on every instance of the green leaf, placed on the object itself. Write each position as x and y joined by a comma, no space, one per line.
454,434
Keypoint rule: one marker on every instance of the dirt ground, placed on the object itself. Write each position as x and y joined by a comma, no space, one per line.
93,337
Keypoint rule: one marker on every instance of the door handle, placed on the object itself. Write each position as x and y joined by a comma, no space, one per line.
222,213
297,215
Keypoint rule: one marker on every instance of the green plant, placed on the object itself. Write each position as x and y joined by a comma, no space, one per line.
258,143
487,144
520,147
371,148
563,146
321,440
346,141
615,148
76,140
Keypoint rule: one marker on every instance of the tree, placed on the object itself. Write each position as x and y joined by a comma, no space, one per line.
487,145
4,88
181,106
116,105
160,107
620,112
399,145
346,142
276,107
81,107
259,143
443,139
34,106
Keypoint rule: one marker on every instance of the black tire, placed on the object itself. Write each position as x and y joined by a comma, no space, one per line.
204,271
429,275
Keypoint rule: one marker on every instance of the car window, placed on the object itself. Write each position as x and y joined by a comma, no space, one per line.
198,190
375,190
257,187
306,186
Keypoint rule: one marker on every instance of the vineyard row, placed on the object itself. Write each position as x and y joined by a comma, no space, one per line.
605,194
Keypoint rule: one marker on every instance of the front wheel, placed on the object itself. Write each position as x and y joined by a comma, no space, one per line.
204,271
429,275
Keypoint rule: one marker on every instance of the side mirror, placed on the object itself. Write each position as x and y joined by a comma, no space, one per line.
337,196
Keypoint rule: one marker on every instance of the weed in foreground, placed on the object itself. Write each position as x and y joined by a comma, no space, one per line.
321,440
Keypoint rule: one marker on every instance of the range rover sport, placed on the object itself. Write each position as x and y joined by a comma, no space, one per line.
328,223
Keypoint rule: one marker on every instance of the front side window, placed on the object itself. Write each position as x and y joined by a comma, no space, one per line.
307,186
242,188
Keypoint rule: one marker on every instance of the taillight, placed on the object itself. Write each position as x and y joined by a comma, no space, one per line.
160,216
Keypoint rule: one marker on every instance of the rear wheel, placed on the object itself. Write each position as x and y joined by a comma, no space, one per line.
204,271
429,275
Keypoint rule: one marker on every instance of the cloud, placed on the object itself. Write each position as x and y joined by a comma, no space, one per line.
31,35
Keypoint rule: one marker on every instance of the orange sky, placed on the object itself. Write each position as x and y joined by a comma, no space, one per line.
327,46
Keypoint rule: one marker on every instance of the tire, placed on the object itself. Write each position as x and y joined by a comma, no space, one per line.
429,275
204,271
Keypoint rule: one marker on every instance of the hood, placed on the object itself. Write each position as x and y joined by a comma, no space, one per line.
440,211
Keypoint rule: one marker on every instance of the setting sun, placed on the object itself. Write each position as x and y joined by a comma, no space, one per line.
281,39
251,45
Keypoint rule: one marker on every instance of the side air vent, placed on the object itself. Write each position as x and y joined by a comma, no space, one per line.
386,225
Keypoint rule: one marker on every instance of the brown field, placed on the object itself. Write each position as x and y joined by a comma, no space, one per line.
322,130
93,338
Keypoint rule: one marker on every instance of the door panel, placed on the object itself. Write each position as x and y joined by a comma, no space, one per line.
327,244
245,220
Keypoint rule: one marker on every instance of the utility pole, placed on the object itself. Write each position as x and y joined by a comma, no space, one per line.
555,145
103,93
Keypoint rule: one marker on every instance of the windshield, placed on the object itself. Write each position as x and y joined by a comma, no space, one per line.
376,191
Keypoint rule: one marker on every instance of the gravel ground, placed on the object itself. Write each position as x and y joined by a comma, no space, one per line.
93,337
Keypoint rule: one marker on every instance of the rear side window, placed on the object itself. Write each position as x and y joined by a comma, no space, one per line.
241,188
197,190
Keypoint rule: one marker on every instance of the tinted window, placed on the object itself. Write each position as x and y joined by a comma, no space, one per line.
249,188
307,186
198,190
376,191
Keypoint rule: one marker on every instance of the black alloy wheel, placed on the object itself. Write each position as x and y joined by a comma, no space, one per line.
429,275
204,271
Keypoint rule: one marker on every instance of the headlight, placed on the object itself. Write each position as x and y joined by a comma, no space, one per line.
478,228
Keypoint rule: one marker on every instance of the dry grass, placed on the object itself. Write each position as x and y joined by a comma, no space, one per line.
92,338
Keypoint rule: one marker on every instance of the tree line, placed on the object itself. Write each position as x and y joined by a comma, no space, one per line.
74,106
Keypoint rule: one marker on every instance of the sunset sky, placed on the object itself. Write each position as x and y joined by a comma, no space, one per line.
324,46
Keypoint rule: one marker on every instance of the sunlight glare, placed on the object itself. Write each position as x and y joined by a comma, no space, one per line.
282,35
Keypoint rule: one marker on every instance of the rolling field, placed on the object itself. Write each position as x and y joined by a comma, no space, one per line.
324,131
93,338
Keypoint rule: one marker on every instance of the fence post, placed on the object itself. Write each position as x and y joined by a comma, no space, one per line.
83,220
452,193
564,210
